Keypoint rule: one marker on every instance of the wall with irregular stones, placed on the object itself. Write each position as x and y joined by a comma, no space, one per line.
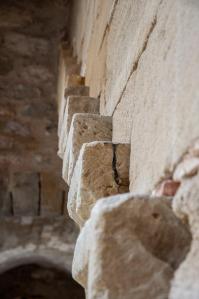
141,58
30,32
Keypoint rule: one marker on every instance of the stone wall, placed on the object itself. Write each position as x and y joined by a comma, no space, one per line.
141,59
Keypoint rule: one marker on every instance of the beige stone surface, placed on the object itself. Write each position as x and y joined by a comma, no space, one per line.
139,61
132,241
185,284
84,128
75,104
73,80
70,91
81,255
188,167
102,169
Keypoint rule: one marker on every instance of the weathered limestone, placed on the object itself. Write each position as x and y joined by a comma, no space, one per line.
84,128
186,205
135,243
75,104
188,167
25,194
74,80
81,255
70,91
102,169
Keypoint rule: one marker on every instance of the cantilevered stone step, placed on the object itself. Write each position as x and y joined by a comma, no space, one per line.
74,80
70,91
134,244
102,169
81,255
84,128
75,104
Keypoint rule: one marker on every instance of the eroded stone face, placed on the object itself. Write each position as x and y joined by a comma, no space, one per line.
131,241
75,104
186,205
81,255
84,128
70,91
102,170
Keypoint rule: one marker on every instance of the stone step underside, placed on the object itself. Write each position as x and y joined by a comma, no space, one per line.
75,104
70,91
102,169
84,128
129,248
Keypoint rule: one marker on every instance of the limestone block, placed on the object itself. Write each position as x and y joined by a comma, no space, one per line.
135,243
75,104
25,193
189,166
185,284
84,128
102,169
81,254
70,91
74,80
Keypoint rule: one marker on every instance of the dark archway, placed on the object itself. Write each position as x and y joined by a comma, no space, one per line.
33,281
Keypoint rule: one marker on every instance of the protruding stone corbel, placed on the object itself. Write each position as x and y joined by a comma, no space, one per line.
126,244
102,169
84,128
75,104
70,91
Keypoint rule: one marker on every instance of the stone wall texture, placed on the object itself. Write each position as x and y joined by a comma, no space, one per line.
141,58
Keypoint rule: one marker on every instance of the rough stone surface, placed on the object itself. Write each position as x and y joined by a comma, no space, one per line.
131,230
74,105
74,80
81,256
70,91
137,58
188,167
29,35
84,128
186,205
102,169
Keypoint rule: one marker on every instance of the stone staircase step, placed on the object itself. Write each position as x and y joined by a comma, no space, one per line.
128,242
73,80
102,169
75,104
70,91
84,128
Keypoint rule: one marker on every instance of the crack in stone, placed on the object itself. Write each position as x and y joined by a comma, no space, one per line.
114,165
136,63
108,24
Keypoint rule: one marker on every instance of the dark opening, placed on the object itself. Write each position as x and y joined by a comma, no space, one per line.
37,282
